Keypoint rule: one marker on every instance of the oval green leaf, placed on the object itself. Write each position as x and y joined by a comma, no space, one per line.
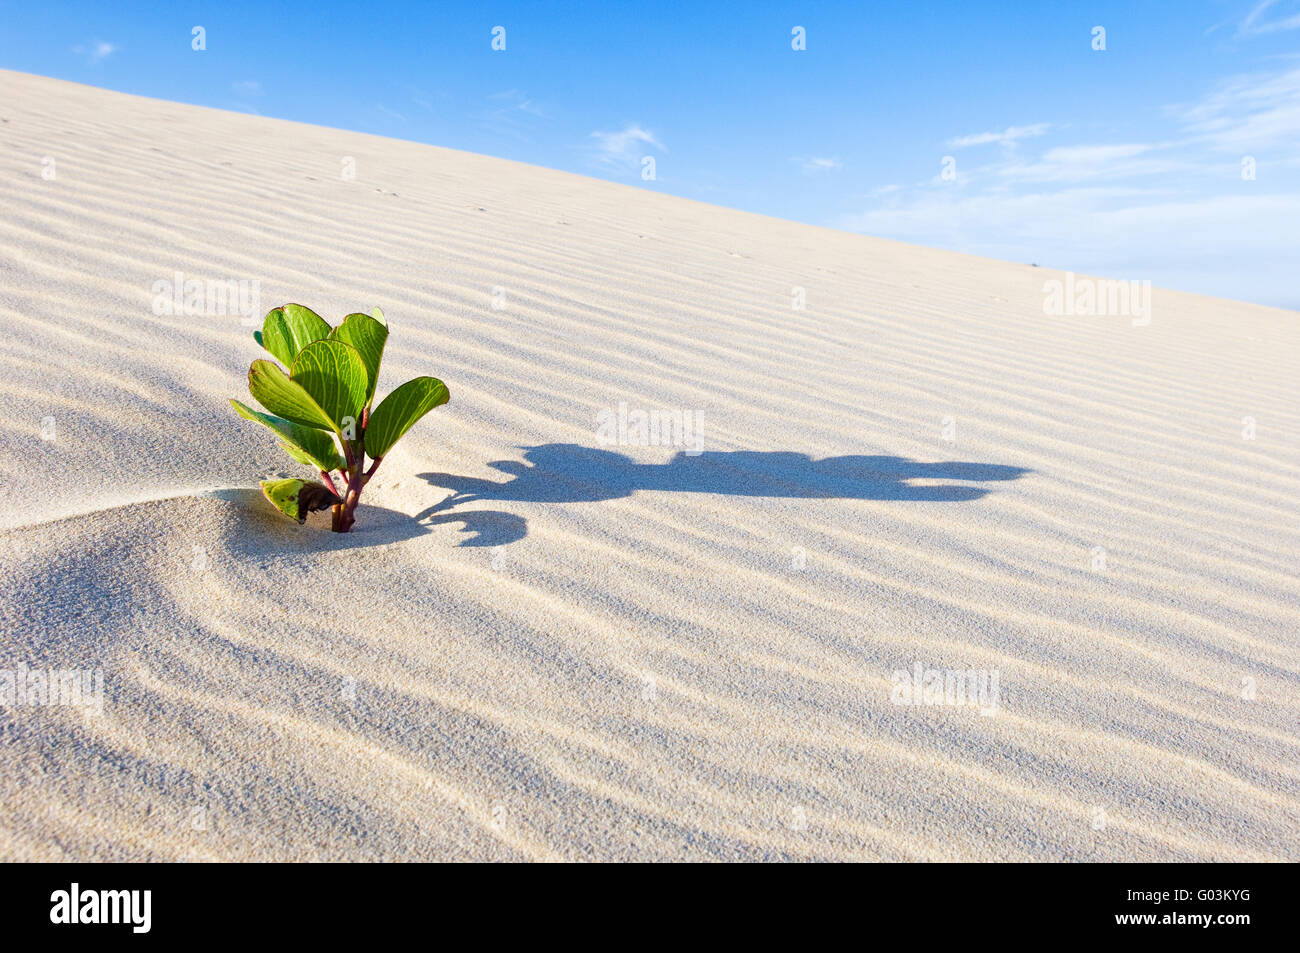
290,328
398,411
283,495
304,444
367,335
334,375
272,388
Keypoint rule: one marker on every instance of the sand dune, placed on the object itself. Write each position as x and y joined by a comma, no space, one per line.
539,646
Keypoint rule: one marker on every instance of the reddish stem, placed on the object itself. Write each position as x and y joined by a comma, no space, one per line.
357,477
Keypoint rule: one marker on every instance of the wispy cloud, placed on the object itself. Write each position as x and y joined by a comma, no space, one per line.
513,113
517,100
1007,136
390,113
95,51
1176,209
815,166
622,150
1246,113
420,97
1080,164
1205,242
247,88
1256,23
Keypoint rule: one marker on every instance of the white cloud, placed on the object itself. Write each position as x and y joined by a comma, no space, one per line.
390,113
813,165
1007,136
1237,246
520,101
622,150
422,97
1255,24
95,51
513,113
1076,155
247,88
1079,164
1247,114
1175,210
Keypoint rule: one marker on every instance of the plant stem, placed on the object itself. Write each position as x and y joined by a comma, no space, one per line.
350,501
356,479
341,518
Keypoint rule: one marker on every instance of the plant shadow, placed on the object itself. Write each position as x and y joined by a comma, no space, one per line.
569,473
486,527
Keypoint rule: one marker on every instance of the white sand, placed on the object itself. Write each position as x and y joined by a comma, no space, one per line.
617,657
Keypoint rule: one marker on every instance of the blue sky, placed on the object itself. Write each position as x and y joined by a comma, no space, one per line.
1125,162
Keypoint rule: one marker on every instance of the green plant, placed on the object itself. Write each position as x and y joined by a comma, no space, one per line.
321,407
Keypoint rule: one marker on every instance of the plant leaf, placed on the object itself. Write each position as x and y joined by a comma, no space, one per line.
334,375
299,454
378,314
398,411
305,444
368,336
296,498
272,388
290,328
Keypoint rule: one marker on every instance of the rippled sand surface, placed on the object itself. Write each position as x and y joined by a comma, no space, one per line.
537,645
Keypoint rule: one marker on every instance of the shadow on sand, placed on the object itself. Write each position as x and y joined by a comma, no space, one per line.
568,473
257,531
